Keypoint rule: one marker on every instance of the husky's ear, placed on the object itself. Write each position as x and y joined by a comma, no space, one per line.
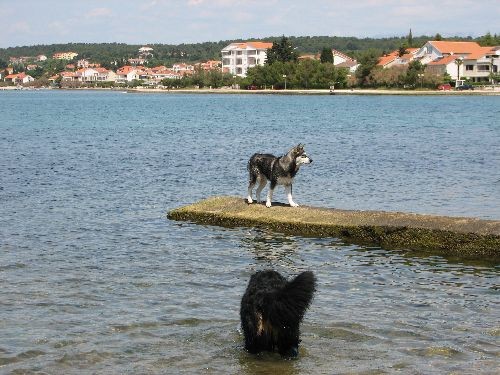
299,148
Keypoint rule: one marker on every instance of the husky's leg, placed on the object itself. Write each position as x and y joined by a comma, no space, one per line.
270,194
262,184
251,184
288,189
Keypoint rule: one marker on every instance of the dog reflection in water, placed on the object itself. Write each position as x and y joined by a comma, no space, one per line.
272,309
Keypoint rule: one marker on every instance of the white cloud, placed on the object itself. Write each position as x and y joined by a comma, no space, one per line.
20,27
99,12
58,28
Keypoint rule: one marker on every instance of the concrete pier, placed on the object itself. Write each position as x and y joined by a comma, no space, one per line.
456,236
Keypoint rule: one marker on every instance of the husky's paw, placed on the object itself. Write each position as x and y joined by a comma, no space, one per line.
293,204
268,204
249,200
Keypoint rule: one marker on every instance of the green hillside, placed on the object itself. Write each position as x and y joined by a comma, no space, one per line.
168,53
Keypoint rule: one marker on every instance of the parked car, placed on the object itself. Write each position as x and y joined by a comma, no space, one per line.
252,87
444,87
465,86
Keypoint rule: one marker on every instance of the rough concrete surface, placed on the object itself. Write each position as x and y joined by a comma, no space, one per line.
456,236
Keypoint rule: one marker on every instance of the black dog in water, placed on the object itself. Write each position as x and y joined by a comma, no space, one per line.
272,309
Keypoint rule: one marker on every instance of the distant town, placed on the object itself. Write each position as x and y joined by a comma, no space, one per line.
437,64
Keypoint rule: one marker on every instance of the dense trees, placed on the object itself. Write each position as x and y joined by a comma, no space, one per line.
489,40
307,74
168,53
367,62
326,55
412,76
283,70
281,51
201,78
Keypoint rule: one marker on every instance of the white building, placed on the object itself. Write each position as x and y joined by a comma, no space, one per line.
478,65
238,57
339,57
87,75
145,51
183,68
466,60
341,60
19,79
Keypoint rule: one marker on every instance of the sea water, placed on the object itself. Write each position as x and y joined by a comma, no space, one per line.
95,279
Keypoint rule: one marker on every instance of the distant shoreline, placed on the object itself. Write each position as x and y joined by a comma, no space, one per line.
318,92
484,92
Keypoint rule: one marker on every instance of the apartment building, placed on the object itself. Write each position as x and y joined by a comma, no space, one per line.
238,57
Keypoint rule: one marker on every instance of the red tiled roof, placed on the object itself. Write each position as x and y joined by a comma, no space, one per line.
260,45
479,53
390,57
386,59
447,47
343,55
253,44
444,61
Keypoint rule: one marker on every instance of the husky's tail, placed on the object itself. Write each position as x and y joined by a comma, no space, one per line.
289,304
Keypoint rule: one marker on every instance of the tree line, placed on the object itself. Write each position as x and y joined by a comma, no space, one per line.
168,54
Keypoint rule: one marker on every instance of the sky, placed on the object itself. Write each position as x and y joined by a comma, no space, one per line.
33,22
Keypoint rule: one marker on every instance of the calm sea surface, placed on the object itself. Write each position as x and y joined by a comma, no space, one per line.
95,279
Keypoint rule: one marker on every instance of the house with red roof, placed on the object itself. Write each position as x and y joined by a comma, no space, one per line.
183,68
87,75
210,65
105,75
19,78
238,57
64,55
128,73
341,60
395,59
154,76
68,76
437,49
466,60
481,64
442,65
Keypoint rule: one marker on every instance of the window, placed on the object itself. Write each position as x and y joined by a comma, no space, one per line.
483,68
238,61
469,67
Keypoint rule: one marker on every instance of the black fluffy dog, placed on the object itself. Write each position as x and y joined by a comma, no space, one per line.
272,309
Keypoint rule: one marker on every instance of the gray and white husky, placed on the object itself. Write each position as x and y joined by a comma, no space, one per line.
279,170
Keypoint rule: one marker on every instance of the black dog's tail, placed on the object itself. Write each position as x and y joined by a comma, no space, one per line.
290,303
